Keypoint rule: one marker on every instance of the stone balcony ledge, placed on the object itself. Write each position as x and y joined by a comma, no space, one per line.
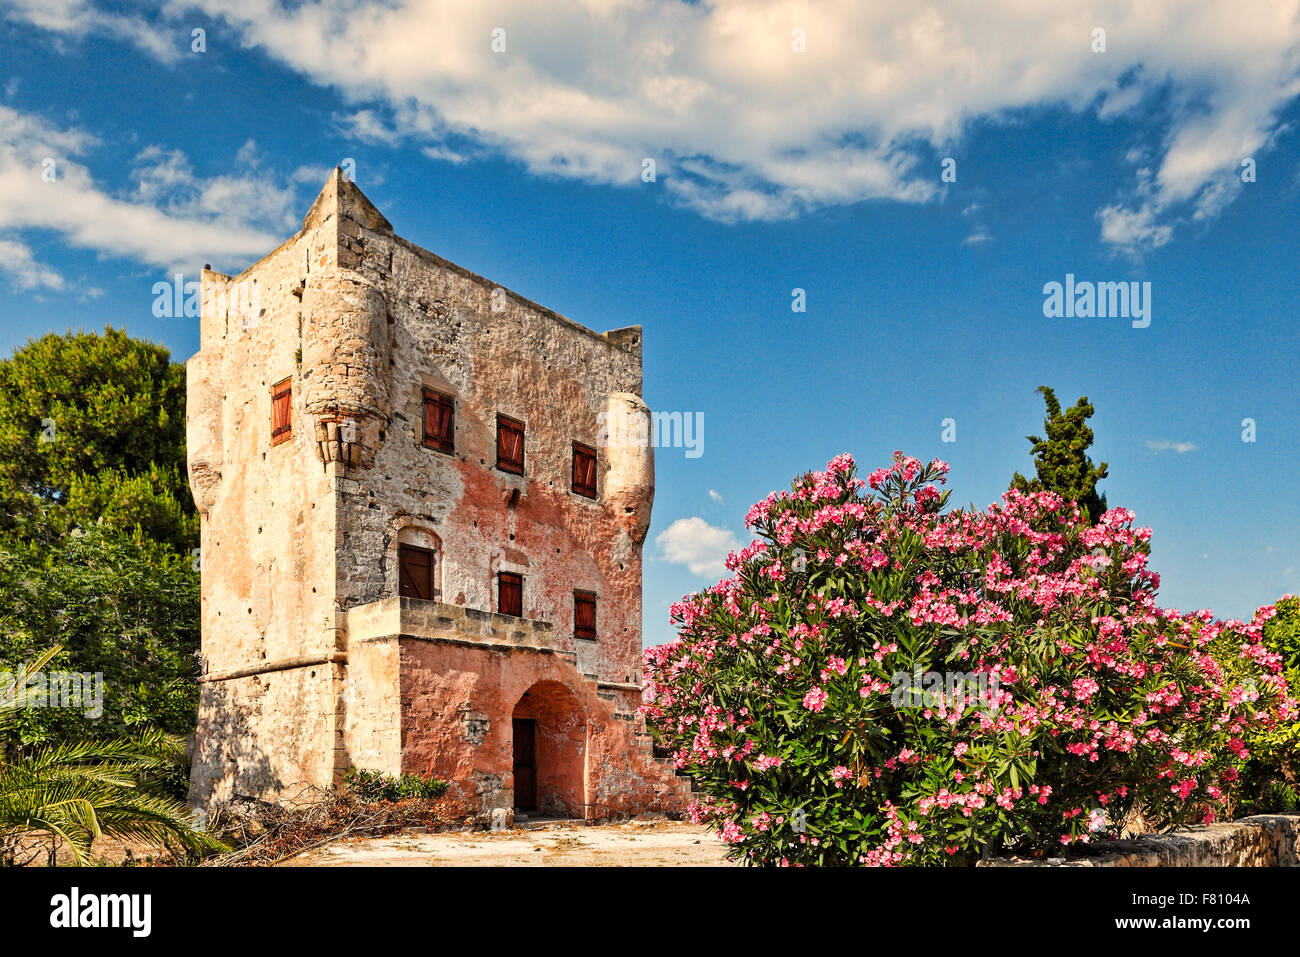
436,621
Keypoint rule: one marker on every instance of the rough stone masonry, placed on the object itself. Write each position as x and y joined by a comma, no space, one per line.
417,556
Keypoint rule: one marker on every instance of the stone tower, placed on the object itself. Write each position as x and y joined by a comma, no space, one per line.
419,553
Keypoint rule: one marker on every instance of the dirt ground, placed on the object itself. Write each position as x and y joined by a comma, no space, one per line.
535,844
103,851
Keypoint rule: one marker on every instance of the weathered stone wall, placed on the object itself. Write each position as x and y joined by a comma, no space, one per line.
312,665
458,703
463,676
268,537
1265,840
268,735
442,331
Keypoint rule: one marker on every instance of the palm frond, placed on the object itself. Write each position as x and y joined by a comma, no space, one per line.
77,791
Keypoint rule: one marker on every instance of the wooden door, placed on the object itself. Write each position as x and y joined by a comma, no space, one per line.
415,572
525,731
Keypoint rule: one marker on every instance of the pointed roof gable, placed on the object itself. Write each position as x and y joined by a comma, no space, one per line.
343,199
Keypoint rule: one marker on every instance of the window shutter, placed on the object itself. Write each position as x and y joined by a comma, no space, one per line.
439,421
446,427
584,470
510,445
510,594
414,572
584,614
281,411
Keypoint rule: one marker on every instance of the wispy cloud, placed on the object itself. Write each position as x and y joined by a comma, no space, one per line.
81,18
169,217
743,126
17,261
1168,445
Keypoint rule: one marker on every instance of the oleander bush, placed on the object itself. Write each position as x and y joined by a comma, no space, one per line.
885,681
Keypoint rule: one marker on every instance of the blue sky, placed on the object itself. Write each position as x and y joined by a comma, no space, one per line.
776,170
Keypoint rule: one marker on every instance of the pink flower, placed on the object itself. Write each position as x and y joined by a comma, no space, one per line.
1085,688
731,833
815,700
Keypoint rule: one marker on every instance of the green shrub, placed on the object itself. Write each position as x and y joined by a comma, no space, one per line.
377,786
1270,781
121,607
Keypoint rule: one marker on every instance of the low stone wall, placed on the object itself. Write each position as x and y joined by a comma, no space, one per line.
413,618
1265,840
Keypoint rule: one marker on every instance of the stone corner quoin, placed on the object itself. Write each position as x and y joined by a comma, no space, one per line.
348,410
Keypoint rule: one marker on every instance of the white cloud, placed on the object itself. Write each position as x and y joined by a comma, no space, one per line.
443,153
1167,445
715,496
170,218
79,18
366,126
699,546
1134,230
742,127
24,271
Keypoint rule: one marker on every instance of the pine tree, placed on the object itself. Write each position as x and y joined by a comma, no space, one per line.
92,428
1061,459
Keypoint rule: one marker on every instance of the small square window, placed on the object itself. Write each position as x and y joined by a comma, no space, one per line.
584,470
439,421
584,615
510,445
510,594
281,411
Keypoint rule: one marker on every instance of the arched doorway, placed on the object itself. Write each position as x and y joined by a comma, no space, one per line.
550,752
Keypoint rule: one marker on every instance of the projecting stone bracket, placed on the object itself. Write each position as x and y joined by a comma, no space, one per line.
205,483
352,439
514,489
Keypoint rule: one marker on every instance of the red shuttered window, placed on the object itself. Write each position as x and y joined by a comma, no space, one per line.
415,572
584,615
584,470
281,411
510,594
510,445
439,421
